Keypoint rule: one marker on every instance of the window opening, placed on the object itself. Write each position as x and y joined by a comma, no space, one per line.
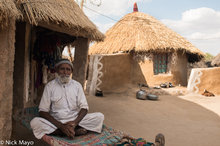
160,63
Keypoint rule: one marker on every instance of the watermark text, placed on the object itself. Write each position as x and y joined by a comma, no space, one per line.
17,142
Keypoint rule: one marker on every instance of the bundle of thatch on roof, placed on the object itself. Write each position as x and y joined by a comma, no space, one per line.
65,14
140,33
216,60
8,11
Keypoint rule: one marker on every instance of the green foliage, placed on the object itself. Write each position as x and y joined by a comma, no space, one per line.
208,57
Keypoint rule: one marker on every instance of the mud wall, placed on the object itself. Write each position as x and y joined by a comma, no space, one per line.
179,69
116,71
121,69
142,72
7,50
208,78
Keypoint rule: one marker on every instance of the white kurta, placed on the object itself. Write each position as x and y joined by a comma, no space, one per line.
63,102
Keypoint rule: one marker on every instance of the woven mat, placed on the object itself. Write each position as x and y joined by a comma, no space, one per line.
108,136
26,115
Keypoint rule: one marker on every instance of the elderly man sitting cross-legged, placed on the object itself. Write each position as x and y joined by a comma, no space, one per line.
63,107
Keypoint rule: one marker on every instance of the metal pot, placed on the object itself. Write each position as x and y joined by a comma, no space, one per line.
99,93
141,94
152,97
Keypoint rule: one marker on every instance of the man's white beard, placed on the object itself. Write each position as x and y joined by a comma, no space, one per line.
64,78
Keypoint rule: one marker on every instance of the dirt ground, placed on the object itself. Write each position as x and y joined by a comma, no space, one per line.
190,119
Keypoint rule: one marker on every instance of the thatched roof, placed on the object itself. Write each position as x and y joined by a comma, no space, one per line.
8,11
216,60
64,15
140,32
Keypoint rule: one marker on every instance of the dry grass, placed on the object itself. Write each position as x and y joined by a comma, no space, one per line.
65,14
142,33
8,11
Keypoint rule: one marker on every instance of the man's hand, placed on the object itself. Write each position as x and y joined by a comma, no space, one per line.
68,130
72,123
69,127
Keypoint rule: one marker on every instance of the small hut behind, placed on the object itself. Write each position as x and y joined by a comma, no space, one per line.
216,60
140,49
33,34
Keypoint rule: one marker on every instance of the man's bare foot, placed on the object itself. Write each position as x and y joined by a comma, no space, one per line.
80,131
58,132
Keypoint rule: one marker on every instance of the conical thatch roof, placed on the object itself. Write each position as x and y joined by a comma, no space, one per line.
8,11
65,14
143,33
216,60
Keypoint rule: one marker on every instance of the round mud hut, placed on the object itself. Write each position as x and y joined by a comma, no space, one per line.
140,49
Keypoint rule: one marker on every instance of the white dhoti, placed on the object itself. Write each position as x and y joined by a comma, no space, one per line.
64,102
91,122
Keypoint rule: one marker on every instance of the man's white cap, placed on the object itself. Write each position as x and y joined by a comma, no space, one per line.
63,61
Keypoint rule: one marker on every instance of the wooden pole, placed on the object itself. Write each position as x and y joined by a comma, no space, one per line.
80,60
81,5
69,51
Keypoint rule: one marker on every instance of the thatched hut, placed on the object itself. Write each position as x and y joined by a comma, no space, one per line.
153,53
216,60
31,32
8,11
61,16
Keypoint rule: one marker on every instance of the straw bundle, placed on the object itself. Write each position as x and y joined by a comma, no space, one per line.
216,60
63,13
140,33
8,11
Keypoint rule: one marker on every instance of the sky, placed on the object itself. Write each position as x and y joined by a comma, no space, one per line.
196,20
